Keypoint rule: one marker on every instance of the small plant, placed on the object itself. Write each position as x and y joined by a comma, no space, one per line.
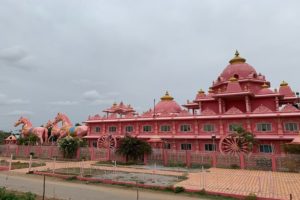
202,192
234,166
179,189
251,196
71,178
169,188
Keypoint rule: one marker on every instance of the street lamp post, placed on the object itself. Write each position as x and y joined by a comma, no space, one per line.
213,137
298,102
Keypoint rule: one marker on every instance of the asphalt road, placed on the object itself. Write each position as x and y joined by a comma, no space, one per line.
79,191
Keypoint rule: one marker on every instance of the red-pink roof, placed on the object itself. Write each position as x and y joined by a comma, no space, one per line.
286,91
233,87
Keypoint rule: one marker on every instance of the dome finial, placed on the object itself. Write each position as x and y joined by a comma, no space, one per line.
283,83
236,53
167,97
237,58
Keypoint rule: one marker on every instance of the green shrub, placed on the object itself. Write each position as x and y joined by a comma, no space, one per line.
6,195
69,145
179,189
251,196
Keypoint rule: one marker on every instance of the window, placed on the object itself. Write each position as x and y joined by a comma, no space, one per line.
167,146
210,147
263,127
147,128
165,128
112,129
185,128
291,126
128,129
232,127
186,146
97,129
208,127
265,148
94,143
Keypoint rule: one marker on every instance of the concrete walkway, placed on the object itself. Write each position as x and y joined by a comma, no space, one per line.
276,185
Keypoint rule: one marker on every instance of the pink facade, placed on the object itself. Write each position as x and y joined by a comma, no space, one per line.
238,97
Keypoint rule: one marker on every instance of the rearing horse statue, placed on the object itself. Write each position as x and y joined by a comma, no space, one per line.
68,128
27,129
55,130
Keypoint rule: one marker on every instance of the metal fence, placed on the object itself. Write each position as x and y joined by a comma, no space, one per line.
267,162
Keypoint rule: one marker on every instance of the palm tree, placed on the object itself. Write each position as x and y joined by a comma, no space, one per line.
133,148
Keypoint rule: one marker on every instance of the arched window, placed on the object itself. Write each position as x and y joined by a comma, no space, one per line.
236,76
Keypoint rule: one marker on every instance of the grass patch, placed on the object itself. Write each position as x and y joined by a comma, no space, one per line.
21,165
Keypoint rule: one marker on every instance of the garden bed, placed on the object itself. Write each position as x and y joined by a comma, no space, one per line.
151,179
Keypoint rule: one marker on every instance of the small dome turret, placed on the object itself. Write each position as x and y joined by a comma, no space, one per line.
286,90
167,105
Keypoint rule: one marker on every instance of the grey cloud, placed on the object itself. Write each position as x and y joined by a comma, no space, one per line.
19,113
16,57
91,95
64,103
88,82
5,100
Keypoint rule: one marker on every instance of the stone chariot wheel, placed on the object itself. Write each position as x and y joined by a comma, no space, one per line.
107,141
233,145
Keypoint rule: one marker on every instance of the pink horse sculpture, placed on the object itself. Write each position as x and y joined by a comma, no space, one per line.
67,127
55,130
27,129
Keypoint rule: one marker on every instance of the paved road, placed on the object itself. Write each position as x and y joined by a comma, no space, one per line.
77,191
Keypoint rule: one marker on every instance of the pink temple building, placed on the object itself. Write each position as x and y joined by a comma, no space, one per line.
240,96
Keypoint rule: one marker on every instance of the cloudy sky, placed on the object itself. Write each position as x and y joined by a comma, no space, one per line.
78,57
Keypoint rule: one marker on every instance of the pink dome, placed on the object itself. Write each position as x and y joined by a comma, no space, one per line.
265,91
167,105
238,68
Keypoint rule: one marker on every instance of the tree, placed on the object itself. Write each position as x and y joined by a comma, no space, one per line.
69,145
3,136
77,124
31,139
292,148
133,148
247,136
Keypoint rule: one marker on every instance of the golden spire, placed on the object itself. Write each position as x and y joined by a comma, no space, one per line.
237,58
283,83
265,85
167,97
201,91
210,90
115,104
